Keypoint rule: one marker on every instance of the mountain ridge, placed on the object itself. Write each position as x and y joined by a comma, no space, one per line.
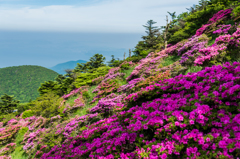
61,67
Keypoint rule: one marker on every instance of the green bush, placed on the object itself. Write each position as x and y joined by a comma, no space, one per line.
144,53
193,69
134,58
85,94
47,105
178,36
23,107
27,113
125,66
236,12
86,78
7,117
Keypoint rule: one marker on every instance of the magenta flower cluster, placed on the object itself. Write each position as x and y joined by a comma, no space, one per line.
216,17
222,29
195,115
108,103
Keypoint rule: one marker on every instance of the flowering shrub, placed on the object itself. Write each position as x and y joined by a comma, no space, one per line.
194,115
126,65
219,48
106,88
147,66
107,104
74,92
222,14
97,80
127,88
8,133
151,80
8,149
190,48
222,29
43,139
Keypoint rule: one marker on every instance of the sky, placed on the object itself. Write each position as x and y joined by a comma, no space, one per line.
49,32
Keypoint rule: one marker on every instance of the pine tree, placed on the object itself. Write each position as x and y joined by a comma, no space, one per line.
8,104
151,38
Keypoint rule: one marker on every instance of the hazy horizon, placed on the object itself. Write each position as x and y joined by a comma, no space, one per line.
47,33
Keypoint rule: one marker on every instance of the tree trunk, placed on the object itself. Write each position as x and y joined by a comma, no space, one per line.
166,31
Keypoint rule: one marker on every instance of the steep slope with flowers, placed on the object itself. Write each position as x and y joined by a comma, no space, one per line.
158,111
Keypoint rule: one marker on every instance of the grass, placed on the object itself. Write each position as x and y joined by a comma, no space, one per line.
210,42
128,72
170,60
193,69
83,111
212,39
19,153
71,99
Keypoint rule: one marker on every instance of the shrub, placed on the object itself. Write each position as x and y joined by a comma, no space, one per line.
134,58
84,79
47,105
27,113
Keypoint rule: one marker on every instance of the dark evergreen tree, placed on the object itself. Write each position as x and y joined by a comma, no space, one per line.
151,38
150,41
111,62
8,104
94,62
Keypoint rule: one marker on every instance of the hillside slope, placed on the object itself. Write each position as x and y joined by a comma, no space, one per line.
180,102
23,81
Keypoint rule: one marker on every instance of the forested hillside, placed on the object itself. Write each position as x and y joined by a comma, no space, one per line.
167,101
23,81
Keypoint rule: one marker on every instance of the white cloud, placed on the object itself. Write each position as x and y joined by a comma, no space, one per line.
109,16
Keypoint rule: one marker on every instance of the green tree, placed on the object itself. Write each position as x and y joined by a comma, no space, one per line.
150,40
94,62
49,86
110,63
7,104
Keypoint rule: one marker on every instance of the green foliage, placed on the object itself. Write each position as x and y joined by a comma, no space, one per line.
144,53
113,62
193,69
71,99
23,81
195,19
125,66
150,41
134,58
128,72
88,104
27,113
94,62
170,60
48,86
7,104
86,78
178,36
7,117
47,105
19,153
23,106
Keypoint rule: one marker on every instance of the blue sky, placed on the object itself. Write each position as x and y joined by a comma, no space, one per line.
31,29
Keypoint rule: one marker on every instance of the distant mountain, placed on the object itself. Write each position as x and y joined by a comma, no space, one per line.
24,81
60,68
